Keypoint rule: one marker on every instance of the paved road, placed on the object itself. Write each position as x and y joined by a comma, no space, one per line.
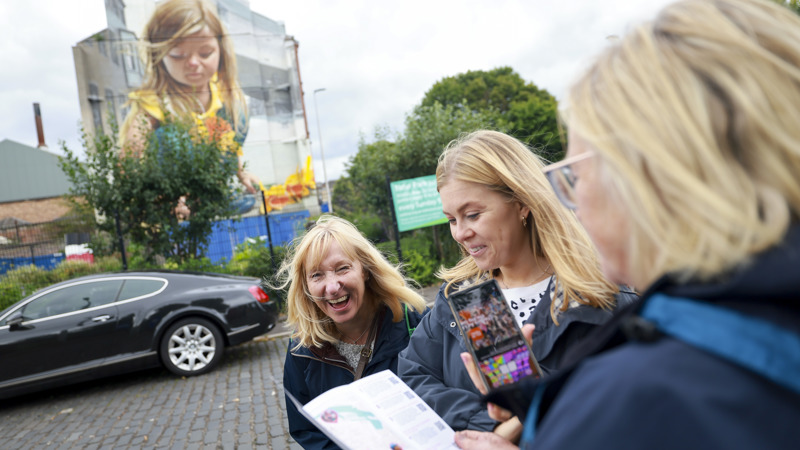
239,405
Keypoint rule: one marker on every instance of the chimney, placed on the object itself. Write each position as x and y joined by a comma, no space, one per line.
39,128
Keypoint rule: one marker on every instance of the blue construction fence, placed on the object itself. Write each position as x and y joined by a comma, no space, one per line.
45,245
46,262
228,234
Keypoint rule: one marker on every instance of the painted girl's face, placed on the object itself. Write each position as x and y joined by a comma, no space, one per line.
194,60
338,286
485,223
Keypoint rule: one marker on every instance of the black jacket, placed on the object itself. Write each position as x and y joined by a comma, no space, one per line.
633,387
431,364
308,372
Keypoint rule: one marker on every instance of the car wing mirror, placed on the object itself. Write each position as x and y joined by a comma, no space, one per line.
15,321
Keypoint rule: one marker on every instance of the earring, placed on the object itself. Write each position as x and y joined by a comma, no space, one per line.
524,221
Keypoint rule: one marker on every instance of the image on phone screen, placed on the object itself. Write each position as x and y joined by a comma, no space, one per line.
489,328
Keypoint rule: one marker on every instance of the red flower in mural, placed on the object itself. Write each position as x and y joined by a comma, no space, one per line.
219,132
217,128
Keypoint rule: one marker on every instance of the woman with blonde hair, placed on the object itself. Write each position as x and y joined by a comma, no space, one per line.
511,227
190,76
683,166
351,310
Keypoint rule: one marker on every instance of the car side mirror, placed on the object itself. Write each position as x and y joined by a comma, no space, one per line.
15,321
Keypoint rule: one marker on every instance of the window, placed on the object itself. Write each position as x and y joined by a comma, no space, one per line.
111,105
137,288
94,102
72,298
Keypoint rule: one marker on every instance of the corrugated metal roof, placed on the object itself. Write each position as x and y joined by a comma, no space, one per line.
28,173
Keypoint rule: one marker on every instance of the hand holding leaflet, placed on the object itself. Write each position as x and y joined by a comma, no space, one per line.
378,412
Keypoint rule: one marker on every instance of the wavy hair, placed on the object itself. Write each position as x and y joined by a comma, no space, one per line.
385,283
693,117
172,21
504,164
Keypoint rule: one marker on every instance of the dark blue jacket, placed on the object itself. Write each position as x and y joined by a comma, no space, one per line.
640,388
431,364
308,372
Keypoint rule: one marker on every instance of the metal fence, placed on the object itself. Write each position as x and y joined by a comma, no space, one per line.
228,234
45,245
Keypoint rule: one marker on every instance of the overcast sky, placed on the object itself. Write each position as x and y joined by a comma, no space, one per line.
375,59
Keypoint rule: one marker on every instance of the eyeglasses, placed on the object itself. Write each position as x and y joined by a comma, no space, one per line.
563,179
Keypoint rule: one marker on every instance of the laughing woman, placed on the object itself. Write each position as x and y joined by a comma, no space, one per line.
344,296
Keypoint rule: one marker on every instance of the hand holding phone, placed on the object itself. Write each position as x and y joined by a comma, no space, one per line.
500,352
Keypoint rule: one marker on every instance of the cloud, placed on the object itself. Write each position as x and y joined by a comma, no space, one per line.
375,59
36,57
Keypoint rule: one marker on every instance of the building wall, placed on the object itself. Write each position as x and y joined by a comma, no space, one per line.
102,79
36,211
277,143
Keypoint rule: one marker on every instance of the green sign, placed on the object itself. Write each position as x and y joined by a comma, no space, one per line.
417,203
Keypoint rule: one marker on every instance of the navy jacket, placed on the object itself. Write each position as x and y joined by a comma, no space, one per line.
431,364
308,372
639,388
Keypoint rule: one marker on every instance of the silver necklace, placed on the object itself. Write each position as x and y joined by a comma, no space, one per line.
356,339
505,286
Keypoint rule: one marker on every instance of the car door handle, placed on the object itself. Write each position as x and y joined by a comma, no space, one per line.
103,318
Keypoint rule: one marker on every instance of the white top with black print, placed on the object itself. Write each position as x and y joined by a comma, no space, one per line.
523,300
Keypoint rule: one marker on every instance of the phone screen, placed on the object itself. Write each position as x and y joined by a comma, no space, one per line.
492,334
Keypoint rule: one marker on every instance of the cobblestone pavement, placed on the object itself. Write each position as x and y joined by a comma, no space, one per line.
239,405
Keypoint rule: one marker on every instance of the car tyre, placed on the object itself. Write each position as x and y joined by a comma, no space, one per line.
192,346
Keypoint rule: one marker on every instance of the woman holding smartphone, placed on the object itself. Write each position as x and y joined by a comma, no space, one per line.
512,228
683,166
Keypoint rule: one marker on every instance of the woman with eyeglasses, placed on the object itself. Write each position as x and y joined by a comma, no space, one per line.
351,310
684,168
512,228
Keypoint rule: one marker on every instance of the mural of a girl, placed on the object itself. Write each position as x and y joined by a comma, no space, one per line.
190,73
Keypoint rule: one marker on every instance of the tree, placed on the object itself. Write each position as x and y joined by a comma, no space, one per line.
794,5
144,190
429,129
524,110
498,100
366,172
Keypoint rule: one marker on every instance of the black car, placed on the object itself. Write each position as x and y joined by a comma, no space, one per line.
107,324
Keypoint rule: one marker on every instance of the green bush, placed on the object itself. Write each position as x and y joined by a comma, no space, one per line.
420,267
420,261
10,292
195,265
103,243
252,258
22,281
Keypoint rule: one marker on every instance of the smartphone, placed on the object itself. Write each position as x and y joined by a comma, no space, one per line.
492,335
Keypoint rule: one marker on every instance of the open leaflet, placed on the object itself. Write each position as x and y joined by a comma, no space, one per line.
378,412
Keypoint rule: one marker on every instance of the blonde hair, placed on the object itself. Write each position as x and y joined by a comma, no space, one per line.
172,21
693,117
503,164
384,282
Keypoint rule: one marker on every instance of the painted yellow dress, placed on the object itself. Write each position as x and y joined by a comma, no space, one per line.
215,122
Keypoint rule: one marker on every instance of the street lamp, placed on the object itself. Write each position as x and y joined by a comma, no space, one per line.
322,152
